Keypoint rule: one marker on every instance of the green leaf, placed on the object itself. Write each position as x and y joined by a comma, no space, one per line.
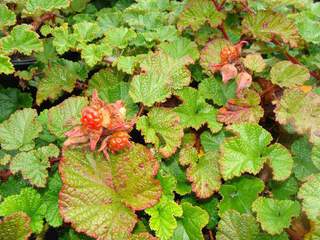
285,189
195,111
301,110
111,87
62,117
101,202
63,40
275,215
242,153
280,160
266,24
239,194
198,12
202,171
303,165
210,54
51,198
265,236
254,62
28,201
162,217
127,64
59,77
33,165
86,31
191,223
15,227
36,6
119,37
12,99
180,48
287,74
308,26
161,75
21,39
215,90
315,156
6,66
236,226
8,18
310,196
162,128
20,130
12,186
172,166
142,236
212,142
93,53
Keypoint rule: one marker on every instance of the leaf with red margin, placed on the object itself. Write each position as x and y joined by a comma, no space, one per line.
99,197
15,227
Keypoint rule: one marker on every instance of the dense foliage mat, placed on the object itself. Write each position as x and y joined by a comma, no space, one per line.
160,119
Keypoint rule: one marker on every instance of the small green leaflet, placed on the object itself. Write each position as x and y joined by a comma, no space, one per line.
8,17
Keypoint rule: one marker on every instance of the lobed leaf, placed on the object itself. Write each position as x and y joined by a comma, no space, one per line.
15,227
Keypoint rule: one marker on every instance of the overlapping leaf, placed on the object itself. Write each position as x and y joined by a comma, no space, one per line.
195,111
162,128
254,62
8,17
38,6
275,215
265,25
33,165
301,110
15,227
62,117
28,201
236,226
202,171
249,150
198,12
287,74
20,130
161,75
101,208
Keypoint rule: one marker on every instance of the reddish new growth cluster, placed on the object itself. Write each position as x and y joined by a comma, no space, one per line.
102,122
230,66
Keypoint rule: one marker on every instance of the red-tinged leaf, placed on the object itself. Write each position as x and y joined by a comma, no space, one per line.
244,81
99,196
228,72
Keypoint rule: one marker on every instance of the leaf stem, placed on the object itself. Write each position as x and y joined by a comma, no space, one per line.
221,26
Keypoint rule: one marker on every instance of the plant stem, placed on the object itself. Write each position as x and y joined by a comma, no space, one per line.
221,26
294,59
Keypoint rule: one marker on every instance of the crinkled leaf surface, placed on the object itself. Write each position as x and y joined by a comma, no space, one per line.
198,12
12,99
202,171
163,217
20,130
21,39
33,165
12,186
264,25
287,74
51,198
217,91
161,74
162,128
284,189
15,227
142,236
275,215
119,37
182,47
242,153
34,6
309,193
192,221
254,62
210,141
28,201
85,31
236,226
239,194
104,208
59,77
301,110
8,17
195,111
63,40
62,117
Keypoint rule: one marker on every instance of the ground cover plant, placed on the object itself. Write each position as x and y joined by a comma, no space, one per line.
159,119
